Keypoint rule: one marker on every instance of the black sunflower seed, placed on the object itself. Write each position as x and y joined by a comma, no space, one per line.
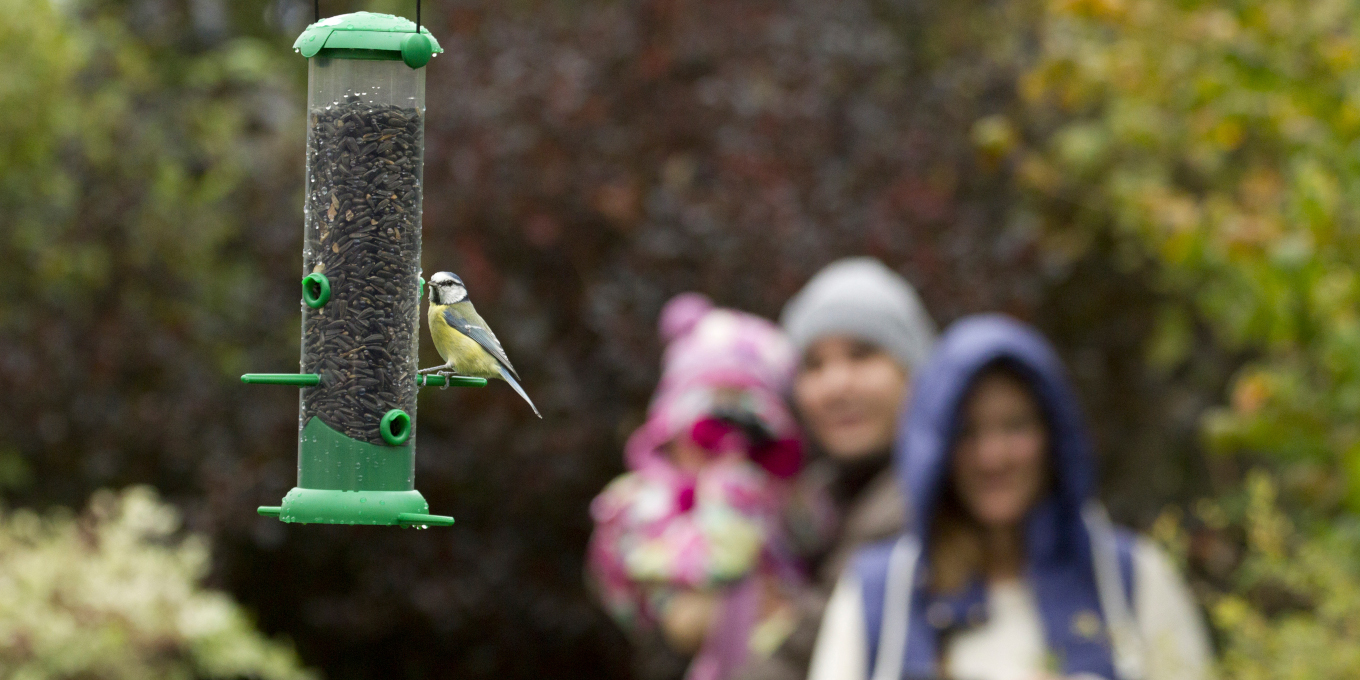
362,232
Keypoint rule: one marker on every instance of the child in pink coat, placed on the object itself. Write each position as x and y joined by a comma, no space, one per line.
692,539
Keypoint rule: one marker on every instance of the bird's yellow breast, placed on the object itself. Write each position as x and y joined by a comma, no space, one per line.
466,356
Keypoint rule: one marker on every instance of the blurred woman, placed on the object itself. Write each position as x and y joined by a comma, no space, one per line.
1009,568
691,541
860,330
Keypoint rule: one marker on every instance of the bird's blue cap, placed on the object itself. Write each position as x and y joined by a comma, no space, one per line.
450,275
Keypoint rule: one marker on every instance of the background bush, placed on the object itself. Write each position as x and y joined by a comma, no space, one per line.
1216,142
1161,186
114,594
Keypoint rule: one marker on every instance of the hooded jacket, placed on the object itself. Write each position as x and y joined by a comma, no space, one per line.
1078,566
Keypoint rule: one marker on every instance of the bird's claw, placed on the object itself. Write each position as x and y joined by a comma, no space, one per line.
446,375
442,371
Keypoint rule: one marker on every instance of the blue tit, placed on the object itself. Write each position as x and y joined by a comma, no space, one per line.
463,339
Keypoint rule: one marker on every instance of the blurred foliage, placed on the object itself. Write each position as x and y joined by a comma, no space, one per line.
1216,142
1288,601
114,594
121,174
1219,139
586,159
123,193
1309,625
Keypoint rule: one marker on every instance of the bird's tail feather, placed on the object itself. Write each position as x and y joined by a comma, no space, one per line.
515,384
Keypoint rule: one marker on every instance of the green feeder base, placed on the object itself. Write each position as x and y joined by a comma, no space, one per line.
329,506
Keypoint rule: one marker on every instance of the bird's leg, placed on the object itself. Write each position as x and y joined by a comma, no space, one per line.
446,375
442,371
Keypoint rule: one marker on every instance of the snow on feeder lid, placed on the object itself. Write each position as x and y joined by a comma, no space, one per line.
360,293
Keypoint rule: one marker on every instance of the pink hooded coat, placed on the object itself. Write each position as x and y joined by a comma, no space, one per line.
660,529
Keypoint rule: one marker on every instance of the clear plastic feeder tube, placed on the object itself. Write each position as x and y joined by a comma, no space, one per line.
365,150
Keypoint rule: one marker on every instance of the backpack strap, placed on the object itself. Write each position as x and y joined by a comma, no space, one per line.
1112,559
870,567
887,573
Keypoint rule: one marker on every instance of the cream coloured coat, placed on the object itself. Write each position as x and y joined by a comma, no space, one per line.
1009,646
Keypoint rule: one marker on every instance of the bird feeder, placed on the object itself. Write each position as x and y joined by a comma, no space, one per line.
361,279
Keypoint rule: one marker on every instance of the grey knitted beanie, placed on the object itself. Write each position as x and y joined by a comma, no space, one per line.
861,298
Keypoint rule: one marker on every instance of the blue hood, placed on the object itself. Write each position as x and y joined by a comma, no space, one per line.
1059,564
927,433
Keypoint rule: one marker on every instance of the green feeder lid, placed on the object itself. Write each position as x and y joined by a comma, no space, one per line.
365,35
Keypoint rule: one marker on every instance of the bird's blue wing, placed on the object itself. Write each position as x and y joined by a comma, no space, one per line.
472,325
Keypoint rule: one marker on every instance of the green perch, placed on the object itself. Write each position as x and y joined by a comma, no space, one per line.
312,380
